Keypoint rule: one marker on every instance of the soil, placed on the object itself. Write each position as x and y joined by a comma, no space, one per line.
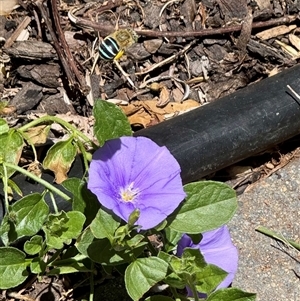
188,53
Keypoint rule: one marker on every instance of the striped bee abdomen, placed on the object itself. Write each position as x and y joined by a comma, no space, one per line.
109,48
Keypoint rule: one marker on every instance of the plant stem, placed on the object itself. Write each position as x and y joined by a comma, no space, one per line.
39,180
53,203
25,136
66,125
194,290
92,282
5,187
279,237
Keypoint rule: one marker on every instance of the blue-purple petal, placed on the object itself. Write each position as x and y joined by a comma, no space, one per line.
153,170
217,248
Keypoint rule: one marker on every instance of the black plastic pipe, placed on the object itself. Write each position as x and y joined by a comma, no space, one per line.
233,128
221,133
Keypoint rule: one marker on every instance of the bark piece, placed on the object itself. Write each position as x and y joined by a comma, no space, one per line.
31,50
266,52
53,104
188,11
232,9
46,75
27,98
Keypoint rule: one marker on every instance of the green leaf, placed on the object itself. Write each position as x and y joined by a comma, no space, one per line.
12,267
11,145
74,268
101,251
14,187
208,205
110,122
38,266
4,128
193,268
59,159
83,200
25,218
62,228
208,278
171,238
231,294
142,274
70,265
174,277
104,225
34,245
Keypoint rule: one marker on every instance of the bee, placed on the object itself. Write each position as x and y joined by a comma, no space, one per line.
115,45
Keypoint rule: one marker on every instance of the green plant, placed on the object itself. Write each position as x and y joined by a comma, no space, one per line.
116,213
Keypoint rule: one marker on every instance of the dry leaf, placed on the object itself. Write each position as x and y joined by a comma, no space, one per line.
140,118
35,168
38,135
164,97
171,107
177,94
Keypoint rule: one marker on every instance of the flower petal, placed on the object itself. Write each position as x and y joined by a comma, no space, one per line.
217,248
151,170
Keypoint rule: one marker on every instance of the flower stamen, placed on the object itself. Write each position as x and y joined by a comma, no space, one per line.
128,194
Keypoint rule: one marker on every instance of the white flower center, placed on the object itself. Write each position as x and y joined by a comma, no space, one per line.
129,193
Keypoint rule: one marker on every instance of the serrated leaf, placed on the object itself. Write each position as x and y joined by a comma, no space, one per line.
12,267
59,159
145,272
110,122
62,228
208,205
11,145
101,251
231,294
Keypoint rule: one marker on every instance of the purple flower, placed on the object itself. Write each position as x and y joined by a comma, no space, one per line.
135,173
217,248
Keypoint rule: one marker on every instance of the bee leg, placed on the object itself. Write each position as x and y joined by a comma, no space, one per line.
126,75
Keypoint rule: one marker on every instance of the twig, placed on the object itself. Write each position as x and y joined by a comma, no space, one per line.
69,74
17,32
81,22
166,61
66,50
38,25
161,12
124,74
